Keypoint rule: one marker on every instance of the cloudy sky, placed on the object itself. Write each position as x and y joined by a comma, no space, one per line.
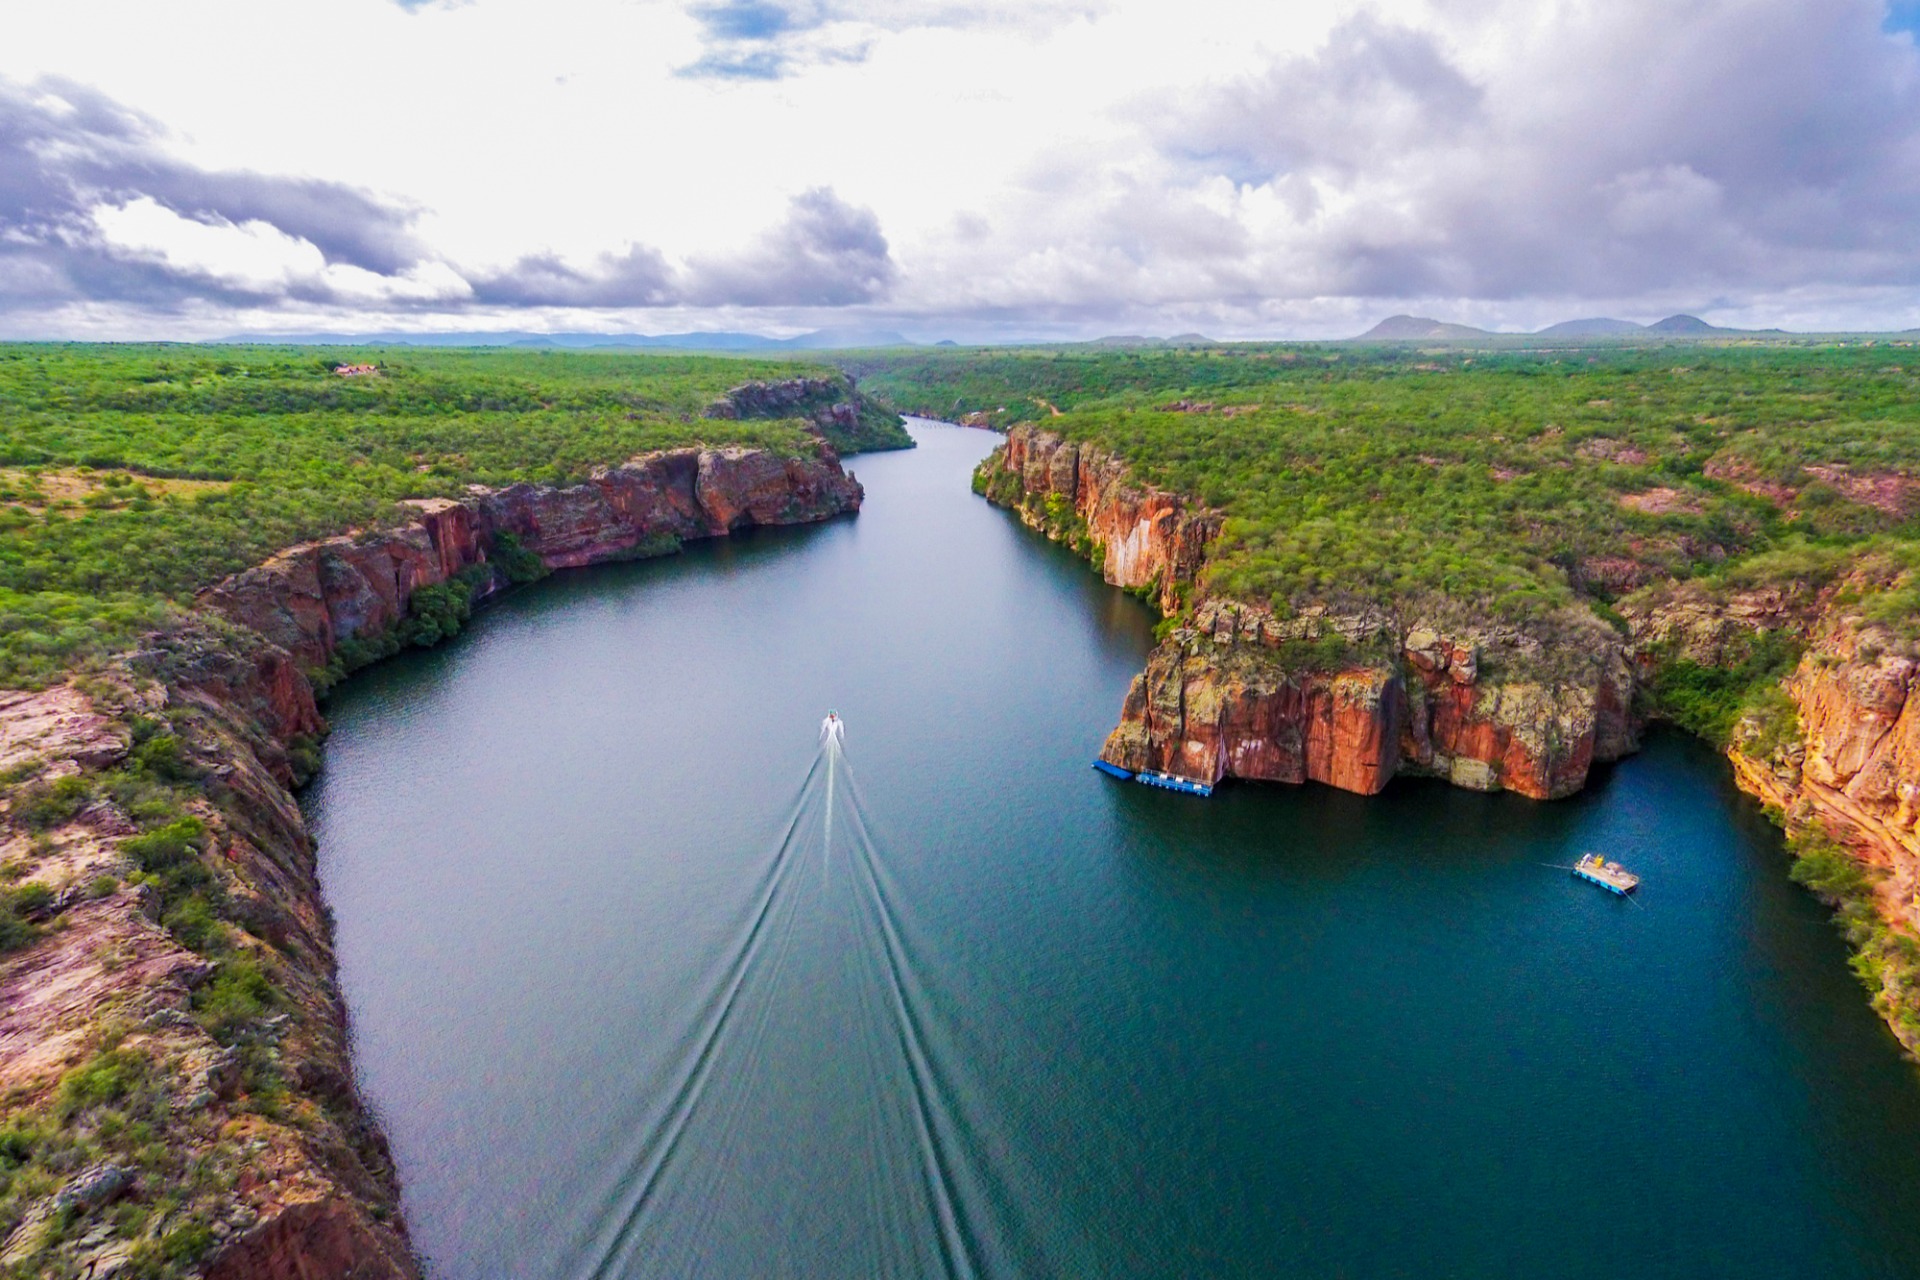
954,168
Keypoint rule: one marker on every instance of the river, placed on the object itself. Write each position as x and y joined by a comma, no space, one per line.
644,983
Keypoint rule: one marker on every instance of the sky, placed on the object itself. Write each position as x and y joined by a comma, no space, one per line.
970,169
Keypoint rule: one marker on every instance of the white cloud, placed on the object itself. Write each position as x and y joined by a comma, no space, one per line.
256,257
1162,164
253,256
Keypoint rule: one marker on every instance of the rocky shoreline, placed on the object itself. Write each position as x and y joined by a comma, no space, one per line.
220,1028
1353,699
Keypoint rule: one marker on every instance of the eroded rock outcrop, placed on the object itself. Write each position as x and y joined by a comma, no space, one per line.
1242,693
309,599
1145,538
829,403
110,981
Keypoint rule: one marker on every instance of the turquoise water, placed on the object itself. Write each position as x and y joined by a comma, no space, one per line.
632,1003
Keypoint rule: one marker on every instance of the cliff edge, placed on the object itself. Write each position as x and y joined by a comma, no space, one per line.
1348,697
174,1061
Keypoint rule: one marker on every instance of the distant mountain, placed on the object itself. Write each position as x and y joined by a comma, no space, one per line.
1141,340
1419,328
1422,329
820,339
840,339
1686,325
1695,327
1597,327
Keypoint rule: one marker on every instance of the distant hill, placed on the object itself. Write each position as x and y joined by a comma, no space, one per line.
820,339
839,339
1141,340
1693,326
1596,327
1423,329
1418,328
1686,325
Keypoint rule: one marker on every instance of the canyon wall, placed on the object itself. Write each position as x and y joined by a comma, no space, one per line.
1352,699
267,1165
1238,692
1145,539
311,598
849,420
1847,766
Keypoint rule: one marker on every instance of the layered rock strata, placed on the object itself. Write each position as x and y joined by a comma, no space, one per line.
298,1185
1242,693
1848,766
310,598
1231,696
1144,538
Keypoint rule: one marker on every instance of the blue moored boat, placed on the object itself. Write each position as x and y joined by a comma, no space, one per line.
1172,782
1113,770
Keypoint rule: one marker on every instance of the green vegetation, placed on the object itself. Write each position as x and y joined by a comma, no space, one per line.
130,476
1886,959
1710,700
17,908
1487,484
111,1110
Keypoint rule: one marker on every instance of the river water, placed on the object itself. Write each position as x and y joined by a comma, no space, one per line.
645,983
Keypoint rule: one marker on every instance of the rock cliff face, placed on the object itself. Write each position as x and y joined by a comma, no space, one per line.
112,971
1145,539
1849,769
309,599
1240,693
847,419
301,1188
1849,757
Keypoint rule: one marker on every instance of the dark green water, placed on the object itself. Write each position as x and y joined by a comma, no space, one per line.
1040,1022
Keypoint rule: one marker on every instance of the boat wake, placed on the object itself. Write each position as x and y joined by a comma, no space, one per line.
821,1047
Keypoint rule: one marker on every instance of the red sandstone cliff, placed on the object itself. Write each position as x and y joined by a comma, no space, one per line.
1226,697
303,1189
110,971
308,599
1848,766
1849,757
1238,692
1146,538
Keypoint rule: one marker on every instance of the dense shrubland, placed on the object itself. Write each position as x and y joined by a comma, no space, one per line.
129,476
1484,482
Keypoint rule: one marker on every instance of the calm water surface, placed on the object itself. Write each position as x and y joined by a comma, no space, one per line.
636,996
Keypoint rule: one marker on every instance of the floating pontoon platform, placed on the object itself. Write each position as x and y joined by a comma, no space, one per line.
1173,782
1155,778
1610,876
